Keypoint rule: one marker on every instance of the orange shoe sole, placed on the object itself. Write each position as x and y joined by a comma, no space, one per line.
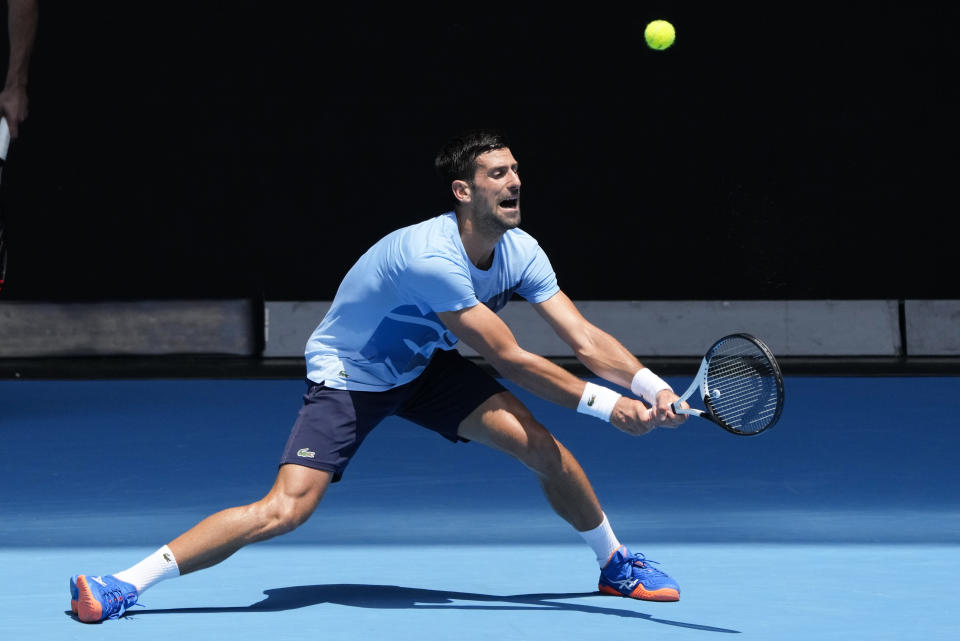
639,592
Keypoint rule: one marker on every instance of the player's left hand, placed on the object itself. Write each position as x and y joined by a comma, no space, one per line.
13,106
664,415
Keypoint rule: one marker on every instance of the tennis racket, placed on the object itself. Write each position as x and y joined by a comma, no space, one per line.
740,385
4,146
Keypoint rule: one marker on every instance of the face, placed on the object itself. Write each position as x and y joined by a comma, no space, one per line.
494,192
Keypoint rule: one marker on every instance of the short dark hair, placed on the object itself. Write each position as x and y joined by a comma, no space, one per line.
457,160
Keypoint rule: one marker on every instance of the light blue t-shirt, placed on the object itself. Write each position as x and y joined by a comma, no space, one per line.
383,326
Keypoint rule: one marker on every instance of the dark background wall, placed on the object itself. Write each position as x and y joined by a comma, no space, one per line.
254,148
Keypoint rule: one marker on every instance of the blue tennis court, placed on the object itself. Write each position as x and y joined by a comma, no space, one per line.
842,522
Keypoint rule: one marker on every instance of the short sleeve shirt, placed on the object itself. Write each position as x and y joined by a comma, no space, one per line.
382,326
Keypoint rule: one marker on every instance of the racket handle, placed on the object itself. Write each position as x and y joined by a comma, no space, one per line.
4,139
679,409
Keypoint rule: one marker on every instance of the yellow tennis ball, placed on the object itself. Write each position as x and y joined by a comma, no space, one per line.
659,34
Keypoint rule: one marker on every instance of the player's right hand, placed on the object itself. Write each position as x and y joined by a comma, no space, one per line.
633,417
664,416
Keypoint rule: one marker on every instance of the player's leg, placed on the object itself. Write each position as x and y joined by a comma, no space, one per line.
295,495
323,440
504,423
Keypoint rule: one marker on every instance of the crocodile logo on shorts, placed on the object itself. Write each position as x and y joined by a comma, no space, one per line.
305,453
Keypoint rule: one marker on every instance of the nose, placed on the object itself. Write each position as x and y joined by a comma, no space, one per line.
513,181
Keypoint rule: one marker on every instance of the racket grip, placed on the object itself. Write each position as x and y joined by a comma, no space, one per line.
678,408
4,139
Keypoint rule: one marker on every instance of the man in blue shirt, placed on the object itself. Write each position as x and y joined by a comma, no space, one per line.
383,326
387,347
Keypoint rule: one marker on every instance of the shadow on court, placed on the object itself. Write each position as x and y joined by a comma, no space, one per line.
388,597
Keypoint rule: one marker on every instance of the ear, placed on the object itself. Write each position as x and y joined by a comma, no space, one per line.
461,190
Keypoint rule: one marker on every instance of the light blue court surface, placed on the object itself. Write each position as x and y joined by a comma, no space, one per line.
843,522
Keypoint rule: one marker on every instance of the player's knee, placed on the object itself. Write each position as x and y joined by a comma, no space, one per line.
543,452
510,427
280,515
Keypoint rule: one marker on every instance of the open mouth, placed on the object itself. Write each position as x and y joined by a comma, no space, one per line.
510,203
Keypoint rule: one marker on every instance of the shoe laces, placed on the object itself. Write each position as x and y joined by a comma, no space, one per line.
638,560
117,602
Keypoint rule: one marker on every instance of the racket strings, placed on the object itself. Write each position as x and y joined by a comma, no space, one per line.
741,386
741,400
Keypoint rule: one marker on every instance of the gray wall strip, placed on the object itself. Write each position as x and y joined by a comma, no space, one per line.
933,327
647,328
126,328
289,324
667,328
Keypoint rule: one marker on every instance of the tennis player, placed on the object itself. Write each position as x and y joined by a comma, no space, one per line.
387,347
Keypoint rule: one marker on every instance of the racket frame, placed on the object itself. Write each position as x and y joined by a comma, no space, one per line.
700,382
4,147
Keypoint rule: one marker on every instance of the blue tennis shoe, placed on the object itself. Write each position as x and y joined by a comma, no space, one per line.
73,594
630,575
100,597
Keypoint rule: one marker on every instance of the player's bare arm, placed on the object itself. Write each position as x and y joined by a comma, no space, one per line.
601,353
480,328
22,27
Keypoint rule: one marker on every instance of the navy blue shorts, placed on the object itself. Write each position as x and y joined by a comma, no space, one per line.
333,423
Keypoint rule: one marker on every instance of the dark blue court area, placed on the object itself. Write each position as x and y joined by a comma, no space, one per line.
842,522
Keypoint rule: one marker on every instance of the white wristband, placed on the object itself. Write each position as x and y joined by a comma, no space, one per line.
597,401
646,384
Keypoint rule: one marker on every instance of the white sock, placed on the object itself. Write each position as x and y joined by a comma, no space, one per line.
603,541
155,568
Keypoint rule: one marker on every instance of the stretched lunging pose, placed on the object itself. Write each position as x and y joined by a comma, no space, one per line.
387,347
